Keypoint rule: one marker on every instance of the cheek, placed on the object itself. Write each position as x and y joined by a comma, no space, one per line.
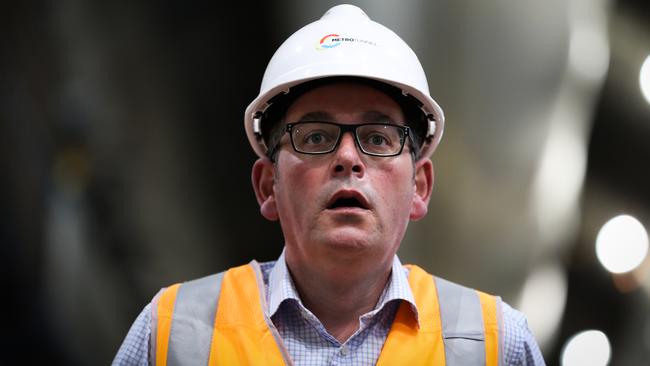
294,186
396,187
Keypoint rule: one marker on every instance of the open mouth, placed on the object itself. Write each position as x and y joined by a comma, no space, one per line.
348,200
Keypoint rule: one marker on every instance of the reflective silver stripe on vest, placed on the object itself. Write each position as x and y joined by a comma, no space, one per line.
195,309
462,324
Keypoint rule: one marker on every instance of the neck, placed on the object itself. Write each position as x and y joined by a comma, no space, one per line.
338,301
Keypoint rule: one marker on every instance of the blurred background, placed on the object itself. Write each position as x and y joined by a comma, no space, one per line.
125,165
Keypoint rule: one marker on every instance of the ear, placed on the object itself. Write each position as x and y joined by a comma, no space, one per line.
263,177
423,185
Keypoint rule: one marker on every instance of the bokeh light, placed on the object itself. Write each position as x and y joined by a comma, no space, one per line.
587,348
622,244
644,79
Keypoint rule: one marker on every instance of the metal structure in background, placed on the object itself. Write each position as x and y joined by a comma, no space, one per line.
127,167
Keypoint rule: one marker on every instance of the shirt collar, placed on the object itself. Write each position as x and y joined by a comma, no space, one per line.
282,288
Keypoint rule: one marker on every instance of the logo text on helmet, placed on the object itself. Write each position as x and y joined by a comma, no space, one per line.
334,40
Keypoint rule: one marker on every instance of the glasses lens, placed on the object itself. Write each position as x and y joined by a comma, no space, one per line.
314,137
380,139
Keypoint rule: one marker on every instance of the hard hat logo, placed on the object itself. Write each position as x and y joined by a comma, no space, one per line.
334,40
329,41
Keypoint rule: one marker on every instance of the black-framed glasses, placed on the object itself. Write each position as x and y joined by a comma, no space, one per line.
376,139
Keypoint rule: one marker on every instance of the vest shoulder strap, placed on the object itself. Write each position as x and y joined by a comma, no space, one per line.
191,308
216,320
470,325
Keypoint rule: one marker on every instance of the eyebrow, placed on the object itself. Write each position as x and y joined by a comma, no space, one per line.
317,116
366,117
375,116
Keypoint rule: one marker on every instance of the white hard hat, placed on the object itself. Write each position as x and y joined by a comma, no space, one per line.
344,42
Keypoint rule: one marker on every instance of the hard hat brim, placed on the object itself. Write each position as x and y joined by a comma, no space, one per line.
429,106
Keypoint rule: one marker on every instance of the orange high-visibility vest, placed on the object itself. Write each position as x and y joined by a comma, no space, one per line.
221,320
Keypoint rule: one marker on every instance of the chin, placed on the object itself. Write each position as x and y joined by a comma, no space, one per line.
349,240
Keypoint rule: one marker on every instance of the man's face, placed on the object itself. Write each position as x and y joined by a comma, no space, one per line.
345,208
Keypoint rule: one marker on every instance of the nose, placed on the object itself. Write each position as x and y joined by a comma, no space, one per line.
347,158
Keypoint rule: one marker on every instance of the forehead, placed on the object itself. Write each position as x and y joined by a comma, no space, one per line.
341,102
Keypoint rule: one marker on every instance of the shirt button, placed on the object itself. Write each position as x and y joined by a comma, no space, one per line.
345,350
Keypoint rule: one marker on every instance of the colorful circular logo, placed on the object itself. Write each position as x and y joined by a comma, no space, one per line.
330,41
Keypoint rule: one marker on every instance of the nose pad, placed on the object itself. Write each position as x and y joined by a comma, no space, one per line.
348,156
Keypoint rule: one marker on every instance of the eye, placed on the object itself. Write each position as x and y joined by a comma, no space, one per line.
317,137
314,138
378,140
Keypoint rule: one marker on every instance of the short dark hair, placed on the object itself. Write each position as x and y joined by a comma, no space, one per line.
273,129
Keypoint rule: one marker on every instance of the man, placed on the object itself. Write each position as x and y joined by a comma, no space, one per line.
344,127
